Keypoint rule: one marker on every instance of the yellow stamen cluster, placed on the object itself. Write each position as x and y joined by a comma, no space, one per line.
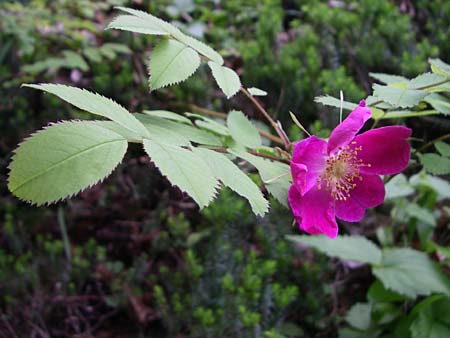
341,172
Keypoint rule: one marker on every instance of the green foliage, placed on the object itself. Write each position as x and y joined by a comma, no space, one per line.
184,169
226,79
172,62
242,130
95,104
68,157
345,247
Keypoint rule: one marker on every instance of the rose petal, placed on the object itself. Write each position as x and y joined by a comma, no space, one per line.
314,212
368,193
385,149
345,132
308,161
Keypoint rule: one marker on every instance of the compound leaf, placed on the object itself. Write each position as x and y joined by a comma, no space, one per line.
62,160
136,24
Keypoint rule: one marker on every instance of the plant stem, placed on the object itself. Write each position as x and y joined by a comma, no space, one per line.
426,145
274,124
213,113
64,234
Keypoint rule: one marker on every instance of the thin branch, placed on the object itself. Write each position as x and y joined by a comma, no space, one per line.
426,145
277,128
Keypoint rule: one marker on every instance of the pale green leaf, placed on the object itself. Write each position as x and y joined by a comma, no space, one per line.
387,78
355,248
231,176
176,131
439,102
443,148
155,23
411,273
95,104
172,62
168,115
199,46
62,160
226,79
93,54
424,215
184,169
275,175
397,187
137,24
334,102
428,80
442,187
117,128
174,32
400,97
440,67
210,124
360,316
435,164
242,130
256,91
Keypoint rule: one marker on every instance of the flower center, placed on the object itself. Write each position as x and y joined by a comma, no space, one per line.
341,172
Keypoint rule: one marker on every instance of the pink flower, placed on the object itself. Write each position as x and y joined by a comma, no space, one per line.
340,178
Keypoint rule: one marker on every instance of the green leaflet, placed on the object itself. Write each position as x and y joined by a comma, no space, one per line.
440,67
425,80
231,176
62,160
443,148
359,316
334,102
242,130
168,115
355,248
95,104
177,133
275,175
226,79
439,102
256,91
435,164
136,24
388,78
411,273
209,124
174,32
426,325
399,97
172,62
184,169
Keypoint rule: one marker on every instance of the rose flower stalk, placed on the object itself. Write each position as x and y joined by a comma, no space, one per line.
340,178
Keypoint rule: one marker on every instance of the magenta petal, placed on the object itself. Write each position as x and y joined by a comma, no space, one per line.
314,211
307,163
345,132
368,193
385,149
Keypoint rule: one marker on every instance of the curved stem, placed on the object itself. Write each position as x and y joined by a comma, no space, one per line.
426,145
